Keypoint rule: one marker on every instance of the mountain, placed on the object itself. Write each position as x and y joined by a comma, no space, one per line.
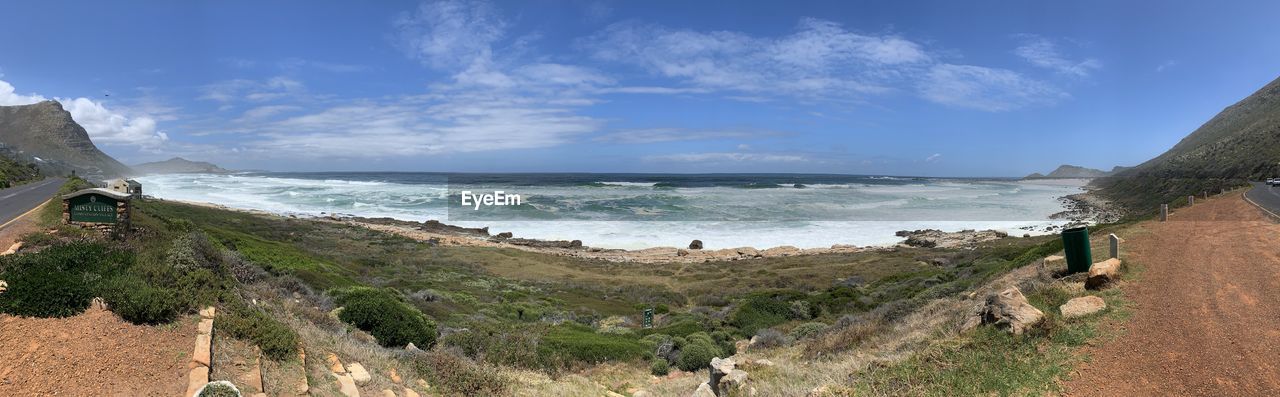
44,134
179,165
1239,144
1071,171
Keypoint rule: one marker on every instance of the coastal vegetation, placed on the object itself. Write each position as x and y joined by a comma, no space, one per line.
283,282
13,173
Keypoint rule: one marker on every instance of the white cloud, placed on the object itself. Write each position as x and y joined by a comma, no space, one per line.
1044,53
452,34
265,112
9,97
105,127
987,89
726,157
1166,65
933,157
656,135
431,124
236,90
820,59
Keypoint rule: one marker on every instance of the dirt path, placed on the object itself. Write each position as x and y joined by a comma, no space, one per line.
92,354
1207,318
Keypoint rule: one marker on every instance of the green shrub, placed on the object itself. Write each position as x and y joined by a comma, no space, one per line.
276,339
807,330
725,341
769,337
58,281
459,375
37,293
515,346
582,344
383,314
140,303
660,367
759,312
219,390
697,352
677,328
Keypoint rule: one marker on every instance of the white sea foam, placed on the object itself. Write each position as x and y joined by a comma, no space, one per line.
722,217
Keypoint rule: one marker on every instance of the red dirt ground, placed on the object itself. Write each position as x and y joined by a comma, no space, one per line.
1207,309
93,354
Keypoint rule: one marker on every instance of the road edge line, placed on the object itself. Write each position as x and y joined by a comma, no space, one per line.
1246,199
24,214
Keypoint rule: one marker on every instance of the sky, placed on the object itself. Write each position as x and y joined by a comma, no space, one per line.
923,88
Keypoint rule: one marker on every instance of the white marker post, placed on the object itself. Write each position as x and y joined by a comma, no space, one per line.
1164,212
1191,200
1115,246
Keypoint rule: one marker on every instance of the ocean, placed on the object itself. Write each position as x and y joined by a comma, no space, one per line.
635,211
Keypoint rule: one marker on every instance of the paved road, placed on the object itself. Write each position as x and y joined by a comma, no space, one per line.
16,201
1266,196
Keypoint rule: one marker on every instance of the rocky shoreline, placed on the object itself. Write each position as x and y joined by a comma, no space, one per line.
436,232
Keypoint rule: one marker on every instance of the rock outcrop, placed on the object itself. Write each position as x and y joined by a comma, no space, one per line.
1082,306
45,134
179,165
1102,274
1010,310
931,238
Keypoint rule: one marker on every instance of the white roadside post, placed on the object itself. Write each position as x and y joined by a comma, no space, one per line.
1115,246
1164,212
1191,200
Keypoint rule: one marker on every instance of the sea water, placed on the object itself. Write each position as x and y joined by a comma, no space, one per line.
646,210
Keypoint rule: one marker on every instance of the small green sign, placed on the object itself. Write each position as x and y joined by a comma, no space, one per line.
94,208
648,318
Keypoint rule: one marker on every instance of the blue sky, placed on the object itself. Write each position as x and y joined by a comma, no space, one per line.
909,88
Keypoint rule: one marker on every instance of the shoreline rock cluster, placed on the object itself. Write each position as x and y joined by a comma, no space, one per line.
934,238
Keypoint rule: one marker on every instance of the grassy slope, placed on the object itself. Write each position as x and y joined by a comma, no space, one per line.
487,290
1239,144
13,173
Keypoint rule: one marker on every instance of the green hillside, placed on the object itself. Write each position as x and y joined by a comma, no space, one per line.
13,173
1241,143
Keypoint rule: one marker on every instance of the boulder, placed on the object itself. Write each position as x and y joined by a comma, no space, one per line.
505,235
207,312
764,362
720,368
410,393
395,376
358,374
347,386
741,346
388,393
4,286
695,245
1082,306
704,390
1102,274
335,365
412,348
200,357
681,252
734,384
196,379
1009,309
205,327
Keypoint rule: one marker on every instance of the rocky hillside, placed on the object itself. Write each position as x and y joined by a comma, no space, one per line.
1071,171
44,134
179,165
15,173
1241,143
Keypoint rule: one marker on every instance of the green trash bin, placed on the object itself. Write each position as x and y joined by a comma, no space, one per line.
1075,242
